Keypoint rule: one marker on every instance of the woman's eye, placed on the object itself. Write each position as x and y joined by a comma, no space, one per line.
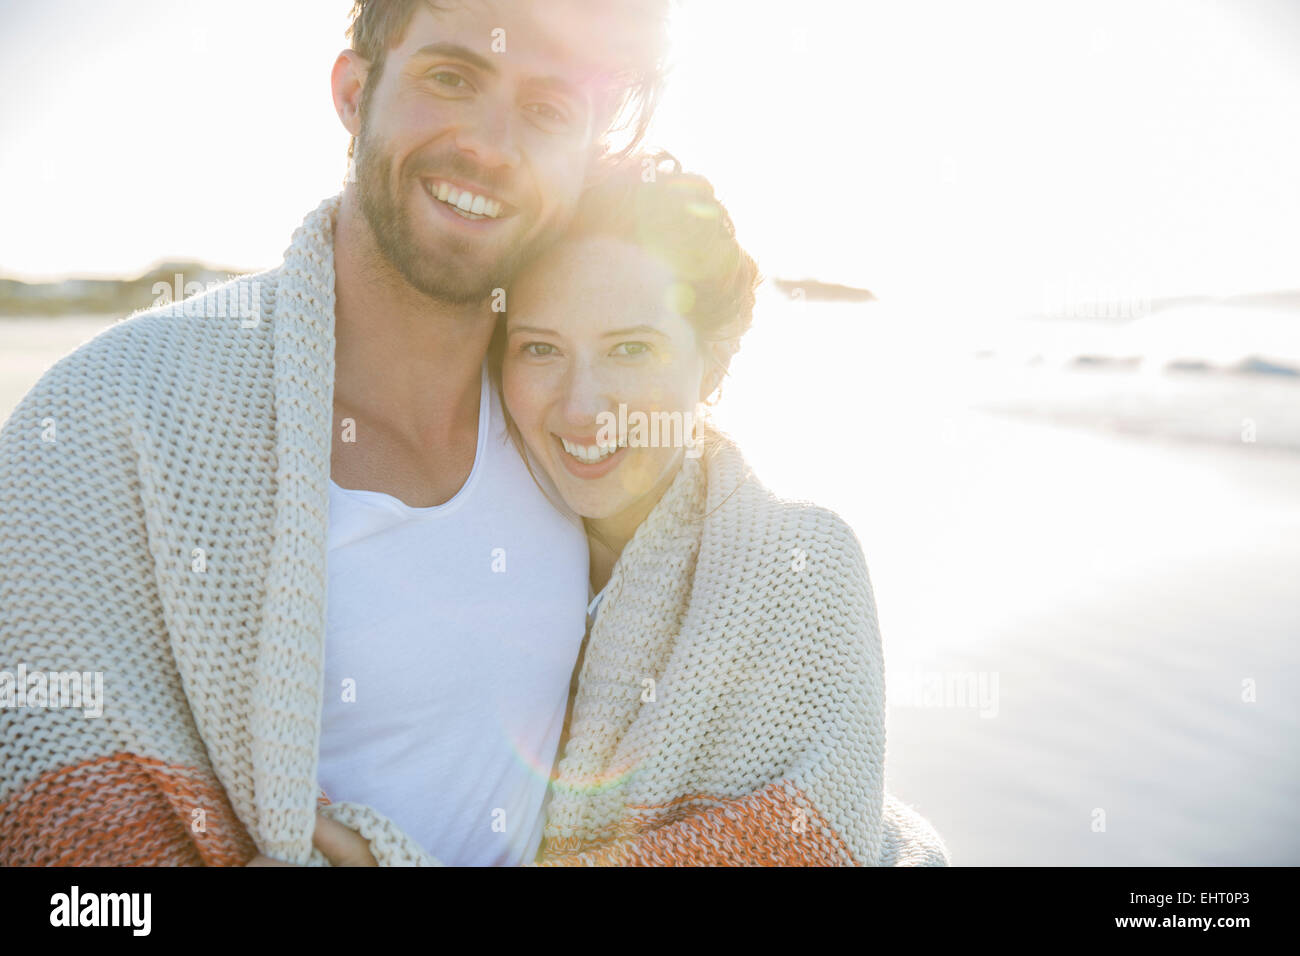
631,348
539,348
547,111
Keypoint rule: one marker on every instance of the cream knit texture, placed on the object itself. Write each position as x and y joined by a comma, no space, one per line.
731,702
172,536
163,519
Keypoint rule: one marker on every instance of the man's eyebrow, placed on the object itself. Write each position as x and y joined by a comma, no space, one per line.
464,54
456,51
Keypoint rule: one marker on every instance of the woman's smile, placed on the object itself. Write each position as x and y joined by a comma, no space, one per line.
588,459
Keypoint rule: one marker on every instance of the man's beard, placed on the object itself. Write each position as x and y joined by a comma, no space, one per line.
450,274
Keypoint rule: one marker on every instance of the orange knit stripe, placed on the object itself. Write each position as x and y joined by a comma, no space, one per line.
122,810
757,829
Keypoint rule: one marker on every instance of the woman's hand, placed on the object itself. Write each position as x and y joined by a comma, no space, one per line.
341,845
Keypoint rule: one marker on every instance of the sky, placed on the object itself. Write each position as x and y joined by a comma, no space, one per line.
991,153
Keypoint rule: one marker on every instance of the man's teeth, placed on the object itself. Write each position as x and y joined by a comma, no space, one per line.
467,202
588,453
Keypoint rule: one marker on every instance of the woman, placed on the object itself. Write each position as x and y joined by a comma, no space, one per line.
729,701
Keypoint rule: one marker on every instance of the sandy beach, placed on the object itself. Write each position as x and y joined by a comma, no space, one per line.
1128,600
1122,639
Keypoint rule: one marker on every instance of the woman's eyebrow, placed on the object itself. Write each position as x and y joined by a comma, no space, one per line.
637,330
530,329
561,87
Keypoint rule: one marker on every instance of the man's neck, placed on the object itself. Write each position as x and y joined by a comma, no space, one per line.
401,357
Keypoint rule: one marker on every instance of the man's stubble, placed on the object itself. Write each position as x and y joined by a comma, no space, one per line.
449,274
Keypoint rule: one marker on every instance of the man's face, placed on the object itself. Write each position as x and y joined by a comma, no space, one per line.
474,144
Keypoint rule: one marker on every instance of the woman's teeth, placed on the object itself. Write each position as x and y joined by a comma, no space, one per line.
468,204
590,454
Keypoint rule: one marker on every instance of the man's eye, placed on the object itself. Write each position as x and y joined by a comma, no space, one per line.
539,348
631,348
448,78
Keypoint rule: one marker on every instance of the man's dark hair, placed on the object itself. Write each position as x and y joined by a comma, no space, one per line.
630,98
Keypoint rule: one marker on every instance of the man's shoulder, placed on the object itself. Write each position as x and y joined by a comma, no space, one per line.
239,298
171,330
241,304
221,330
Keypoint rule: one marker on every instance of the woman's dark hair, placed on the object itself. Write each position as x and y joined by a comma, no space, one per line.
673,216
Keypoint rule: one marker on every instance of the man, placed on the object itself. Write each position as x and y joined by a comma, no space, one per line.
291,545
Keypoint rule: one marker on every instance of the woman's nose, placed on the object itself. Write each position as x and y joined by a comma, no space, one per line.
586,396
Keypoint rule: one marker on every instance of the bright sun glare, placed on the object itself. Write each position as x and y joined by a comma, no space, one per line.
939,151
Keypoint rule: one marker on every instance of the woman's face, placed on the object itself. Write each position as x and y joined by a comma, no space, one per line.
592,328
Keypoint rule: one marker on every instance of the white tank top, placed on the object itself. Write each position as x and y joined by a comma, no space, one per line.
451,640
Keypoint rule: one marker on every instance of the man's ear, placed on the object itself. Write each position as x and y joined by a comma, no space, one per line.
348,80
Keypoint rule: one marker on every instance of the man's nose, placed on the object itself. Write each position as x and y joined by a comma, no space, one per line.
489,135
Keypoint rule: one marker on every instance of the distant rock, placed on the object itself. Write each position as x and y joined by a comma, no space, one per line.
1188,365
1281,299
812,290
1254,365
1106,361
165,282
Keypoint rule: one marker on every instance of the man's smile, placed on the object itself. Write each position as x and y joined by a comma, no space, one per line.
468,202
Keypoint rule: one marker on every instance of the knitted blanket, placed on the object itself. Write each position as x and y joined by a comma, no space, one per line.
730,707
163,536
163,511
